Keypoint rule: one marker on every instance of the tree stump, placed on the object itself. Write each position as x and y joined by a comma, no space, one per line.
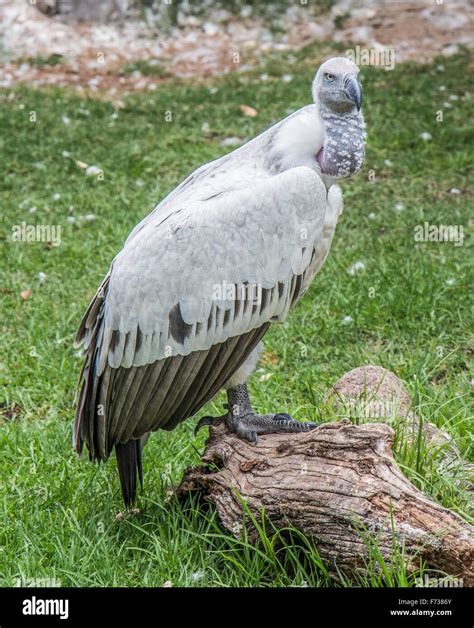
334,484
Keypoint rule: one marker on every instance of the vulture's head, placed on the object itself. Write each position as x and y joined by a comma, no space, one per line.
336,86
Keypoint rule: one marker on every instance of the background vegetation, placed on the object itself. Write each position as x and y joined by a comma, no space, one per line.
57,514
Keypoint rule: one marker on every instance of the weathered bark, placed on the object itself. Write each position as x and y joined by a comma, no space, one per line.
330,484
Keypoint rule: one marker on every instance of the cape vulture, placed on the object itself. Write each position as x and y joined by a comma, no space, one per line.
186,302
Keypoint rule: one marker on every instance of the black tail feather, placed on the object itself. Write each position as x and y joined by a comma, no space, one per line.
129,462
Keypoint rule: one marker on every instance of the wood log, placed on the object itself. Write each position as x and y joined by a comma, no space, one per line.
334,484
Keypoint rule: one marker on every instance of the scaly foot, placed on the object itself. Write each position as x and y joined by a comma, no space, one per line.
250,425
242,420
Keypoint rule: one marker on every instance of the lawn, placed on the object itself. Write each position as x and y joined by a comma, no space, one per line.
408,308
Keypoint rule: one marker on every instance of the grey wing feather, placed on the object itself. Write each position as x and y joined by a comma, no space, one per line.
159,341
163,294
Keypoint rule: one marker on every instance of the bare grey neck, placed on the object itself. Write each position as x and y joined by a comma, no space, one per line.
344,147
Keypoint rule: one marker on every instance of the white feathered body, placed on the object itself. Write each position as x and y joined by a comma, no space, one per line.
259,216
252,216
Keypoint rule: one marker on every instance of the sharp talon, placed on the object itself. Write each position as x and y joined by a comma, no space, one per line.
206,420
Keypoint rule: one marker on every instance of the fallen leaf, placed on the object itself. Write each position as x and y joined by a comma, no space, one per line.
269,358
248,111
26,294
10,412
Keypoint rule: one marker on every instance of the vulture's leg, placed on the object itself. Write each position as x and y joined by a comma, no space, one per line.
241,418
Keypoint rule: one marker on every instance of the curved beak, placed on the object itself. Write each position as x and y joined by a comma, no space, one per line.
353,90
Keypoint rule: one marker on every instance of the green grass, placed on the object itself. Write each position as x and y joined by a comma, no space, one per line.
50,60
147,67
57,515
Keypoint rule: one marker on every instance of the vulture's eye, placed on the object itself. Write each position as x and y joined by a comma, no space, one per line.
329,78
